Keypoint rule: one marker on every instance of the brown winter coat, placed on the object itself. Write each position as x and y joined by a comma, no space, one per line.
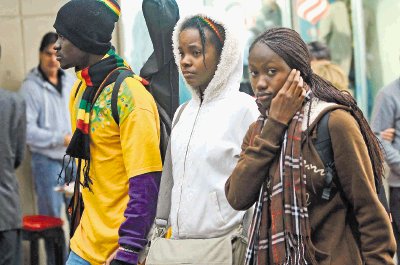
353,194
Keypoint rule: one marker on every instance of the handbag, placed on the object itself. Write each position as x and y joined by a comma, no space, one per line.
226,250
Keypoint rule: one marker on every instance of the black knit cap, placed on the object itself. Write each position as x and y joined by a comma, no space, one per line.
88,24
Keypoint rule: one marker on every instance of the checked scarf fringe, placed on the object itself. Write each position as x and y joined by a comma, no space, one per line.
280,231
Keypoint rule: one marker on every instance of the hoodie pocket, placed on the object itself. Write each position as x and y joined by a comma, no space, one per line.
224,211
217,212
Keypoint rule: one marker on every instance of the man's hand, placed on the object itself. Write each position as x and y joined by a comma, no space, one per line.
111,257
67,139
388,134
112,261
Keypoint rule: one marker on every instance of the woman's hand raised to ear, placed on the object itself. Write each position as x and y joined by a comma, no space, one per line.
289,98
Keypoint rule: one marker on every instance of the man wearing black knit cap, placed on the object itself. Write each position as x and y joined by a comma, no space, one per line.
119,162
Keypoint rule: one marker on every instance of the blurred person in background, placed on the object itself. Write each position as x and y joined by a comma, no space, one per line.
334,30
46,90
269,16
322,65
385,122
12,146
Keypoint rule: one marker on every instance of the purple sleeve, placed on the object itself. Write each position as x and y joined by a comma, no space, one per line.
140,214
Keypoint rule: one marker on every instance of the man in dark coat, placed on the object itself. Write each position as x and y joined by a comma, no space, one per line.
12,146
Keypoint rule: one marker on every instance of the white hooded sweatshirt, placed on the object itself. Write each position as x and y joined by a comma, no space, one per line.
206,144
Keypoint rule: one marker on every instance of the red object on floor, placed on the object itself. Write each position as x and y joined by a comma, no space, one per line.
41,222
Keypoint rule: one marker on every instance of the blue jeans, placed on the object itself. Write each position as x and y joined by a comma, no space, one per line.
45,174
74,259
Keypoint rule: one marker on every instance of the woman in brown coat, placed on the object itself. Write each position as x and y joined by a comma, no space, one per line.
279,169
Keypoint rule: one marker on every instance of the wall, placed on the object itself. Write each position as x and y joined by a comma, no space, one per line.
22,24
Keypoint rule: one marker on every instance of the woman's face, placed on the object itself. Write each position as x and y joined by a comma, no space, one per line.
268,72
197,68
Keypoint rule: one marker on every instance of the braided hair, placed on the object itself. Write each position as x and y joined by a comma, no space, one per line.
217,32
288,44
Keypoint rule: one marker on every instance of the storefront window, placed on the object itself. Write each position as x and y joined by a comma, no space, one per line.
250,17
357,34
327,22
268,15
360,34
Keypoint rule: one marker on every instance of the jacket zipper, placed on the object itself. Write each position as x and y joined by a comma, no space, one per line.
184,169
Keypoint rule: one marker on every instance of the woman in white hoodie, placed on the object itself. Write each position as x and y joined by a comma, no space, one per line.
206,141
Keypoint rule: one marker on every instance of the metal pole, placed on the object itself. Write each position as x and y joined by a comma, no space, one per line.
361,89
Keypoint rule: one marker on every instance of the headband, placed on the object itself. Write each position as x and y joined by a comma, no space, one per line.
212,26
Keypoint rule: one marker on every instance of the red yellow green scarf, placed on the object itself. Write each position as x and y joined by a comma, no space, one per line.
93,76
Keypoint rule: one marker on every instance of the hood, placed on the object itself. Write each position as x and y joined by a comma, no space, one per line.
230,68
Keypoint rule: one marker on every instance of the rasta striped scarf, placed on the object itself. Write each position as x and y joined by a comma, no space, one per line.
96,77
280,230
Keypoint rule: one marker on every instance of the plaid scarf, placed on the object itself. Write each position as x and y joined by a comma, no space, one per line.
280,229
96,78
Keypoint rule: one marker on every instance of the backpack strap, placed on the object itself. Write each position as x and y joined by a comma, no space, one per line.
323,145
114,96
165,130
179,114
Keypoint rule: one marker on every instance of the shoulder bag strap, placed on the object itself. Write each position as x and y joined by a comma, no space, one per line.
246,223
323,146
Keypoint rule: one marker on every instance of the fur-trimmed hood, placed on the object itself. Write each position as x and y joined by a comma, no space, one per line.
230,68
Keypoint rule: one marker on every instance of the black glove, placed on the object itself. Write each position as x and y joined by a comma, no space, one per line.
119,262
